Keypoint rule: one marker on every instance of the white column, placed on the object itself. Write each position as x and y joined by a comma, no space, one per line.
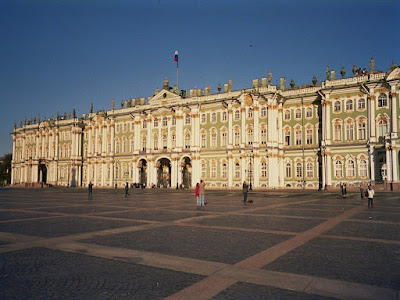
328,169
256,168
394,111
243,125
388,163
230,169
256,129
395,164
371,116
179,129
230,125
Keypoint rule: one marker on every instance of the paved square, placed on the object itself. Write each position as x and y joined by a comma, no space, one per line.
55,243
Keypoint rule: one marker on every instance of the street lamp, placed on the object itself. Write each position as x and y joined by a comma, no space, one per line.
177,173
251,156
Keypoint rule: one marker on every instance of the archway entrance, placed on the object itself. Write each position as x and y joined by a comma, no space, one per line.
186,172
163,172
42,173
142,172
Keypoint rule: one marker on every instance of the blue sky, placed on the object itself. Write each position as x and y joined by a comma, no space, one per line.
60,55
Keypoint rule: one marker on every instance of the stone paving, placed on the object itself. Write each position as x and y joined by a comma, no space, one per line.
156,244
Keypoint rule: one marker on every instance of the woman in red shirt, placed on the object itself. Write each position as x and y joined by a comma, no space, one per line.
197,194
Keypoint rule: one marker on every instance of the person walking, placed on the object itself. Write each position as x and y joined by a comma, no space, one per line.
245,191
370,195
127,190
202,187
197,194
362,190
90,188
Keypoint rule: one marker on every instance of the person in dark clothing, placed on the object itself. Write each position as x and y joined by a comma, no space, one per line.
90,187
127,190
245,191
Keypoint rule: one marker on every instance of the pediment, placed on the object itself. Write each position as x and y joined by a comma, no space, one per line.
163,97
395,74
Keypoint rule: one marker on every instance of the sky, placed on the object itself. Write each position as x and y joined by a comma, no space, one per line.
56,56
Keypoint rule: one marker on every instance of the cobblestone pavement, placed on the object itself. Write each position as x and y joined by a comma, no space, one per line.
57,244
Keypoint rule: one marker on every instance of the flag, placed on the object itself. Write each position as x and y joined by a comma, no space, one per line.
176,56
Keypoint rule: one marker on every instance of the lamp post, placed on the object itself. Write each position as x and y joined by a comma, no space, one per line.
177,173
251,156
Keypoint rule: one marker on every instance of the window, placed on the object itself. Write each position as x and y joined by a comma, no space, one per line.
337,132
224,139
298,113
165,121
337,106
144,142
237,170
187,141
382,100
361,104
363,168
338,169
117,128
124,148
224,116
224,170
309,112
287,114
214,117
264,169
165,141
250,113
213,169
349,131
298,136
382,128
203,140
310,170
203,118
288,170
250,136
299,170
349,105
237,114
173,140
350,168
287,138
117,146
132,127
187,119
173,121
309,133
155,142
203,170
132,145
213,139
263,136
263,111
144,124
237,138
361,130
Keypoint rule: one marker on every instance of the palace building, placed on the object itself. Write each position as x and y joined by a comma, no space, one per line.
319,135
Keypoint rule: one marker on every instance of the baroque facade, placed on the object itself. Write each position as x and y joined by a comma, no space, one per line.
343,130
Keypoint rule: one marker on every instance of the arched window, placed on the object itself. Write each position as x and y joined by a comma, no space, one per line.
203,170
299,170
310,170
237,138
288,170
298,136
361,104
224,116
250,136
187,141
213,169
203,140
298,113
349,105
165,121
338,169
165,140
214,117
237,114
309,112
382,127
155,142
173,138
203,118
237,170
350,168
363,168
382,100
224,138
224,170
124,147
309,134
173,120
213,139
337,106
144,124
250,113
361,130
287,114
263,111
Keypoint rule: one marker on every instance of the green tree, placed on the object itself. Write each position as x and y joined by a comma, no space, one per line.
5,168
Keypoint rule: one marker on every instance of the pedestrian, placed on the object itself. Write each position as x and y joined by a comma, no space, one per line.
202,187
116,185
370,195
345,190
245,191
197,194
90,196
362,190
127,190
